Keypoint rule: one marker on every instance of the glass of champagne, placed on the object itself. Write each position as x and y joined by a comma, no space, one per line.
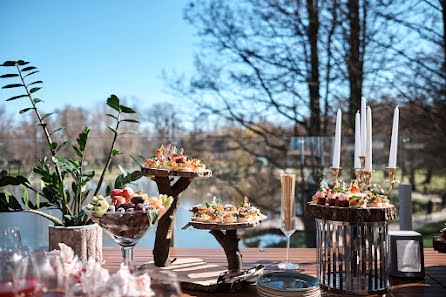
288,214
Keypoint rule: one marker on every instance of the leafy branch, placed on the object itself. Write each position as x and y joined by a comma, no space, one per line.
52,145
114,103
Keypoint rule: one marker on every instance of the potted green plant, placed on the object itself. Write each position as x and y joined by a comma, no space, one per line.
64,183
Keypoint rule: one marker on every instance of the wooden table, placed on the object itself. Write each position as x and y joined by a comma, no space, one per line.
433,285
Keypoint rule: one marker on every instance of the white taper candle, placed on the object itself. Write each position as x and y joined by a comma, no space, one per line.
337,141
357,161
363,127
394,139
368,151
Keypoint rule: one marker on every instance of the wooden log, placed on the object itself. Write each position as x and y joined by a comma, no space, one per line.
350,214
229,242
165,224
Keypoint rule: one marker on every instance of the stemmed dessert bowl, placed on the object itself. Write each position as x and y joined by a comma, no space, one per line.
126,228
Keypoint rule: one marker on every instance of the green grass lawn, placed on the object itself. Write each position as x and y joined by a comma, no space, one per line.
429,231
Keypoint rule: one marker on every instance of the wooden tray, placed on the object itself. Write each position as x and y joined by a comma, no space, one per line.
180,173
351,214
223,226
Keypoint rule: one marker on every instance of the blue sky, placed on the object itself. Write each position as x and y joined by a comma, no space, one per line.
87,50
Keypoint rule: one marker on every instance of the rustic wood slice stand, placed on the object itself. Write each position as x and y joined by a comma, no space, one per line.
351,247
228,239
165,224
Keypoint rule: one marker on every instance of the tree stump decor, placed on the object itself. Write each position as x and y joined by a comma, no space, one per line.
163,180
351,247
227,239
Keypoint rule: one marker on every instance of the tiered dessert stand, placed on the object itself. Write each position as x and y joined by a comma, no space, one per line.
162,177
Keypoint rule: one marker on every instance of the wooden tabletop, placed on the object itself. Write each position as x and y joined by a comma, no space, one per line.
433,285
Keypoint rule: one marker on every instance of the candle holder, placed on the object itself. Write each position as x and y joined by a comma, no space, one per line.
335,172
392,181
363,178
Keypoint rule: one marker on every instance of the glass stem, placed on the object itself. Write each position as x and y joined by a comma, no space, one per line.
288,249
127,255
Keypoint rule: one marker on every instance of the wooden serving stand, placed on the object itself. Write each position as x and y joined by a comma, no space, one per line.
228,240
163,180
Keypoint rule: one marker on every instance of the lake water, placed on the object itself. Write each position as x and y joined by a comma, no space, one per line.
34,228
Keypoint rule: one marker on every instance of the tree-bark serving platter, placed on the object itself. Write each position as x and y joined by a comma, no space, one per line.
351,214
179,173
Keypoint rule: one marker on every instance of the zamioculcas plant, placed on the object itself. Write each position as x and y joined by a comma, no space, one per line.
55,190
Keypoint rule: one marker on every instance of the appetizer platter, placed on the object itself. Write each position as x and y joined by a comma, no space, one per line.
170,161
216,216
348,204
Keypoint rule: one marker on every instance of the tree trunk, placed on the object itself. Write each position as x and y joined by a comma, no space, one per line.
354,63
313,80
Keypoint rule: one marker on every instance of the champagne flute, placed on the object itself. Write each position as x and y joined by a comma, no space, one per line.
288,214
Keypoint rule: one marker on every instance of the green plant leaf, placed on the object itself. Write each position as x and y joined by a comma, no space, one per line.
63,162
78,151
8,180
34,90
108,190
16,97
136,161
110,115
28,68
61,146
8,63
130,120
8,75
38,200
116,153
12,86
37,100
21,62
47,115
126,109
36,82
83,137
113,102
7,195
25,197
113,130
41,124
31,73
56,130
25,110
53,145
